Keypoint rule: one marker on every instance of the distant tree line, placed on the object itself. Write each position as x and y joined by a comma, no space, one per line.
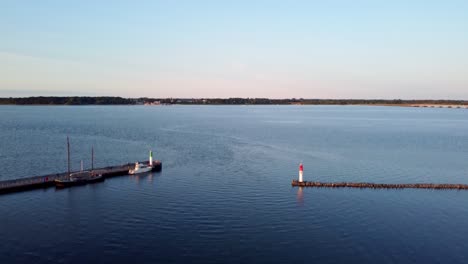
226,101
73,100
380,102
266,101
108,100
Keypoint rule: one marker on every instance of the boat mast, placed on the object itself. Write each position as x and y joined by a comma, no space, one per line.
68,155
92,158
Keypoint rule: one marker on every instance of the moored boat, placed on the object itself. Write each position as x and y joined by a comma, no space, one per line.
146,167
79,178
140,168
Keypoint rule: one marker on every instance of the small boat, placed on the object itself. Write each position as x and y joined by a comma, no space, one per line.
79,178
146,167
140,168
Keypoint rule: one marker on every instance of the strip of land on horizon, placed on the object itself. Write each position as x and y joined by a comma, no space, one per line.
110,100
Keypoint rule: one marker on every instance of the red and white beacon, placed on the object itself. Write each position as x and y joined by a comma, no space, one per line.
301,172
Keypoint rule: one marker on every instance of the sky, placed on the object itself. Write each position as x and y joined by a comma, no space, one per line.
405,49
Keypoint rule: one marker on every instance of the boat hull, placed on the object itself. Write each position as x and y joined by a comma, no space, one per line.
68,183
65,183
94,179
141,170
156,166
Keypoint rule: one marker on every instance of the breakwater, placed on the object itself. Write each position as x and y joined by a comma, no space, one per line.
435,186
45,181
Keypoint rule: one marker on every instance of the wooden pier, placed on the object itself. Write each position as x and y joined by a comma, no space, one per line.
46,181
435,186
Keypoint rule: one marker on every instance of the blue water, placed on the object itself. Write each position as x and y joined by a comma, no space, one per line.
225,195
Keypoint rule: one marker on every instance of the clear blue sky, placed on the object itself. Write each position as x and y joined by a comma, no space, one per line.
276,49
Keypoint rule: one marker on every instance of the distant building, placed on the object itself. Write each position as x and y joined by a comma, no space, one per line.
153,103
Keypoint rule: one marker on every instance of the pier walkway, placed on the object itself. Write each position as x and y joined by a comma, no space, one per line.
435,186
45,181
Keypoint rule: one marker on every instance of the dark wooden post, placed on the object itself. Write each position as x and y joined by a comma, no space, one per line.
68,155
92,158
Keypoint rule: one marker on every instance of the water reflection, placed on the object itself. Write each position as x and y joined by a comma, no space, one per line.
300,196
150,178
139,177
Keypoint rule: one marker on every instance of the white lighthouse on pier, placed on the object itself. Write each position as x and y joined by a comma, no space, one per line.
151,158
301,172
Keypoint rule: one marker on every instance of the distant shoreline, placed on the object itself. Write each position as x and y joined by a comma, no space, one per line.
83,100
457,106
